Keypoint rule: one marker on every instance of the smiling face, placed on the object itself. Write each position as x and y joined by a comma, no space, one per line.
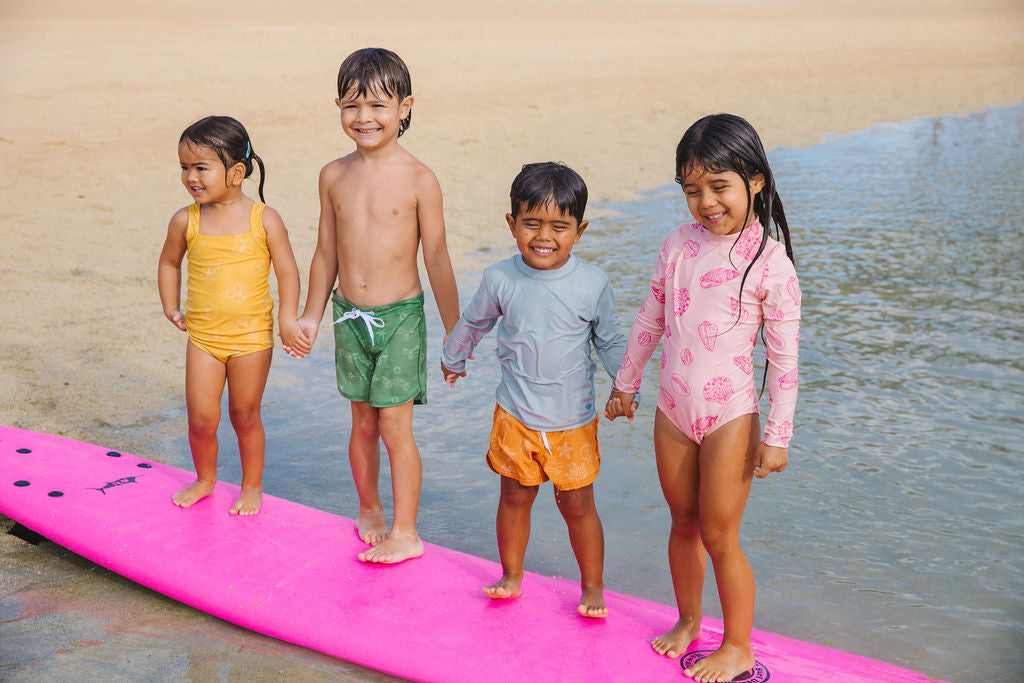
545,235
204,176
719,201
374,118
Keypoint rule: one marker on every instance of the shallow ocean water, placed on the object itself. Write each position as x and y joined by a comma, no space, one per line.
897,530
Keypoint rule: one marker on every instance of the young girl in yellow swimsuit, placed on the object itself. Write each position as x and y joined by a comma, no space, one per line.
231,242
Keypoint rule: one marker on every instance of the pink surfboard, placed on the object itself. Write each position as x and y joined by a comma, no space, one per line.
291,573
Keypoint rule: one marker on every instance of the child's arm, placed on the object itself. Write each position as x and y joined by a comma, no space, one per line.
323,269
780,308
287,272
646,331
168,276
611,349
430,215
477,320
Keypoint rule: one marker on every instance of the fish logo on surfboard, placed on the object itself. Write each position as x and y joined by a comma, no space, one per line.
112,484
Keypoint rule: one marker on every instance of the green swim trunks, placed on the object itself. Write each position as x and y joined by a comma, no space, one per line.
380,354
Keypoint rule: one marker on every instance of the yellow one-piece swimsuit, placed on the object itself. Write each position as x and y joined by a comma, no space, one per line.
229,310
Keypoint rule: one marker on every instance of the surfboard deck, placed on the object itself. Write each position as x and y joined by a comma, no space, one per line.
291,572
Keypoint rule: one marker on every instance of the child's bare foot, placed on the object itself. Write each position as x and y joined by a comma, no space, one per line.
508,586
592,603
193,494
724,664
674,642
248,503
371,526
399,546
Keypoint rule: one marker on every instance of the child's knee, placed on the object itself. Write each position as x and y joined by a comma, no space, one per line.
515,494
203,425
718,539
577,503
686,524
395,425
245,419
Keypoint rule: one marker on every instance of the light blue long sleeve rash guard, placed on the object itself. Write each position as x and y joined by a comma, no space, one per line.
547,320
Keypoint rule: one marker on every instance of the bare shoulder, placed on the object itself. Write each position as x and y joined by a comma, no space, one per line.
179,221
422,178
272,219
334,170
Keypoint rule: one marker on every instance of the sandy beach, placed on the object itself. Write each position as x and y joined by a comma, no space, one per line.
95,96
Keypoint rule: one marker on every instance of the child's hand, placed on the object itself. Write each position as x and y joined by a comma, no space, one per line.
307,329
620,404
293,340
451,376
178,318
770,459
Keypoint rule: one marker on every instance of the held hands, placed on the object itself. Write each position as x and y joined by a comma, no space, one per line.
178,318
620,404
295,340
769,459
451,376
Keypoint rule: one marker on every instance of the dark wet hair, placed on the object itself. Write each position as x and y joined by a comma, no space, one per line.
229,141
726,142
549,181
377,71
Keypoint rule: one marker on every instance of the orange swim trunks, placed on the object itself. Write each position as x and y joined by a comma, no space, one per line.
570,458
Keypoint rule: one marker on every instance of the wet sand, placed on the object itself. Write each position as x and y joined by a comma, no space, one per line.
96,95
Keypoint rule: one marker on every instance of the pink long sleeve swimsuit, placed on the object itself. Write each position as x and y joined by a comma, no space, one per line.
707,375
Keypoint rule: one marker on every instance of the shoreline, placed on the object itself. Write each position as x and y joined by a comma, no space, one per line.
96,96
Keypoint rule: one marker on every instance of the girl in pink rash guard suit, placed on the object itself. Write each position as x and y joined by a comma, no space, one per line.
717,282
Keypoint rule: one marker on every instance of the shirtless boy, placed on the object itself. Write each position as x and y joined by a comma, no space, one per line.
377,206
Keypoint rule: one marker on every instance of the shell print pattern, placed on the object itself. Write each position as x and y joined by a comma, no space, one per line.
716,277
666,397
793,287
718,390
707,374
764,277
748,243
785,432
702,426
734,307
680,301
708,333
789,380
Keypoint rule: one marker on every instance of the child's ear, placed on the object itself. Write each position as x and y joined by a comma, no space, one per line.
404,107
511,222
236,175
580,229
756,183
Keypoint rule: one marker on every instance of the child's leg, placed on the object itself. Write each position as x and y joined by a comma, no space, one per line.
406,476
247,378
726,472
364,458
679,474
513,527
204,385
587,539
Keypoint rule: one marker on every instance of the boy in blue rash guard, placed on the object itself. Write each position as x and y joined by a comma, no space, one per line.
549,307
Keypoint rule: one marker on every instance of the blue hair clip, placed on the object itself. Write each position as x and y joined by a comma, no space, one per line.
248,149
